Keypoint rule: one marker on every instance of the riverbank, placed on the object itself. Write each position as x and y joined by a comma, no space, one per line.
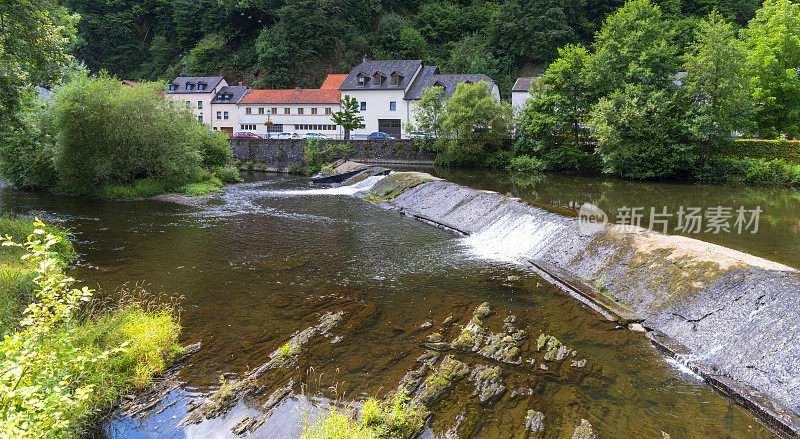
67,358
734,313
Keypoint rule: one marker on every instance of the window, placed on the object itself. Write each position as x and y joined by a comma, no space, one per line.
314,110
377,79
199,105
189,86
261,110
327,111
201,86
275,128
297,127
200,118
392,106
172,87
395,79
287,110
248,110
363,106
362,81
226,115
273,110
219,114
300,110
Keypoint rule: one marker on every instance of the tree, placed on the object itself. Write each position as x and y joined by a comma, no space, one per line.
34,35
475,125
633,47
716,84
348,117
773,41
549,127
429,111
641,133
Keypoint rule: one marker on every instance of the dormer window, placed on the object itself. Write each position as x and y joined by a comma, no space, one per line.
439,84
201,86
189,86
172,87
228,97
377,79
395,78
220,97
362,80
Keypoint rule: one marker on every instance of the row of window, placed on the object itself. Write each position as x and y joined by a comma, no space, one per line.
311,127
392,106
248,127
189,86
286,110
378,79
222,114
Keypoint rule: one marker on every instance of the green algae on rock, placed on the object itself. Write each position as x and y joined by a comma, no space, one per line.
471,336
556,351
487,381
584,431
534,421
449,371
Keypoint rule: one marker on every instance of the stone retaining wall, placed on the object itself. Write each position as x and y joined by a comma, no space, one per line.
280,154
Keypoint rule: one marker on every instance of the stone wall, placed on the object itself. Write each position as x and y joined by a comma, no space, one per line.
280,154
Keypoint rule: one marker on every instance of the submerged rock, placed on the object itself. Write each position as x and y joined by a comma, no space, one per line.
449,371
413,379
534,421
471,336
429,357
435,337
501,347
555,350
487,381
482,310
584,431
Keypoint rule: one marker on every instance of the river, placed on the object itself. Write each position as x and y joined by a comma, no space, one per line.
273,253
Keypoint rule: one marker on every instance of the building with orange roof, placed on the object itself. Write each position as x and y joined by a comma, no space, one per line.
298,110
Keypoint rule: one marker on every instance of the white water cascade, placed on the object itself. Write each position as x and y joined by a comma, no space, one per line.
512,237
352,189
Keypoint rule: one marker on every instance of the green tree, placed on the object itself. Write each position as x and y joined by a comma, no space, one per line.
34,35
475,126
633,47
207,57
429,111
348,117
716,84
549,127
641,132
773,40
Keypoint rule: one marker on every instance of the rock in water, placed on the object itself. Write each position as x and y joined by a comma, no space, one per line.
487,381
584,431
449,371
534,421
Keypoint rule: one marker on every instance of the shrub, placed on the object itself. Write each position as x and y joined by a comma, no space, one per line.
215,150
526,163
749,170
227,173
786,150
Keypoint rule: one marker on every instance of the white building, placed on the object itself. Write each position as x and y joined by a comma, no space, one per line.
387,92
196,93
520,92
224,115
301,111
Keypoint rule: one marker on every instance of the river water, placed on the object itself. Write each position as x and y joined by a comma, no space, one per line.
274,253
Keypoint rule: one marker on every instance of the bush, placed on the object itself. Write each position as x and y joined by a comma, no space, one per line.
786,150
318,152
524,163
749,170
227,173
215,150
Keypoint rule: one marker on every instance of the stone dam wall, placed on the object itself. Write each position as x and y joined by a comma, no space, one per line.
278,155
732,317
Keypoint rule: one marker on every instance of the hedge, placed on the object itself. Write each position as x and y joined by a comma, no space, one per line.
786,150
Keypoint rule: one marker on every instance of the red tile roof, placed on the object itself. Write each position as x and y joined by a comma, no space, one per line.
292,96
333,82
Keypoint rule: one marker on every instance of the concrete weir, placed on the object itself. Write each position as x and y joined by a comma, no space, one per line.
731,317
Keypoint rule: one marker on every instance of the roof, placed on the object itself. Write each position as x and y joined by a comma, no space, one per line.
430,76
523,84
333,81
235,91
404,68
181,82
291,96
130,83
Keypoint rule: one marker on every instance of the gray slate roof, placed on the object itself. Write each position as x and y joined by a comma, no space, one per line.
236,92
430,76
181,82
405,68
523,84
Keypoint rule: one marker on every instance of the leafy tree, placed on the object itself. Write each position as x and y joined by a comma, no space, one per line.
34,35
348,117
474,127
633,47
429,111
550,124
716,84
207,57
773,40
641,133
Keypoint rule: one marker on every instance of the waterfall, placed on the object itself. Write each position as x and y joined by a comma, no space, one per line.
352,189
514,236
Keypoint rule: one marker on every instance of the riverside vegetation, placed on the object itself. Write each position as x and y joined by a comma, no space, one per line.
67,357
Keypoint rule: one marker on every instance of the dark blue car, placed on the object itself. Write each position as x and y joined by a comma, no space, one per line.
377,135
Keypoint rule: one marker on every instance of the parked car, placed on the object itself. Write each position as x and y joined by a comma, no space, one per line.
245,135
286,136
377,135
316,136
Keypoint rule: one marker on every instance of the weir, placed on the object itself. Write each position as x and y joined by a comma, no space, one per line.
729,316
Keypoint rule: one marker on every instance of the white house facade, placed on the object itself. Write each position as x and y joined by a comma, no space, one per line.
196,93
387,92
269,112
520,92
224,115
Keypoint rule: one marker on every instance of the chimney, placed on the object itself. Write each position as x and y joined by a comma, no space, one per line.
364,59
241,83
297,89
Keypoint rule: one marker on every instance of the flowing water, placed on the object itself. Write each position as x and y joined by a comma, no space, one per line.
273,253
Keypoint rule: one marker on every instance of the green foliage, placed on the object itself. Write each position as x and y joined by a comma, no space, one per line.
749,170
206,57
474,126
34,35
318,152
348,117
641,134
773,42
716,84
786,150
524,163
56,371
428,112
26,152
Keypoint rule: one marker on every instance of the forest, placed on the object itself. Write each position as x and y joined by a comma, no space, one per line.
287,43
